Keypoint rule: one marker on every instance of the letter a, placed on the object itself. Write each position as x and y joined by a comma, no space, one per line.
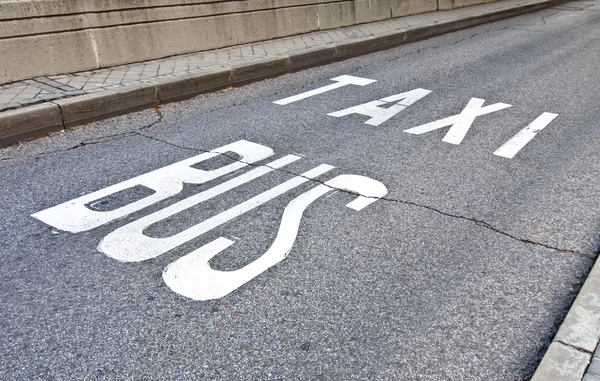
379,114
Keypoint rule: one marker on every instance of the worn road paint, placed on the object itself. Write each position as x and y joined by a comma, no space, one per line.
130,244
75,216
342,81
517,142
460,123
379,114
192,276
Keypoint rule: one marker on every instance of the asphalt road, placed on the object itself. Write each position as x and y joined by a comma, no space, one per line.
460,267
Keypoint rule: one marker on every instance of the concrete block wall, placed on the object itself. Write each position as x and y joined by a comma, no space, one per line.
452,4
47,37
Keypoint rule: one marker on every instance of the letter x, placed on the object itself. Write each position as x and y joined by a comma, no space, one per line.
460,123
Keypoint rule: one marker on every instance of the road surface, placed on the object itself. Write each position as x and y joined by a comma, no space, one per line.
427,212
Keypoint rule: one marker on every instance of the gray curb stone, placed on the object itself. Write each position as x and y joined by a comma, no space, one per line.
29,122
26,123
562,363
311,58
270,67
185,86
572,349
90,107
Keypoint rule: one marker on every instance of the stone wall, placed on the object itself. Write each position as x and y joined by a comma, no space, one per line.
46,37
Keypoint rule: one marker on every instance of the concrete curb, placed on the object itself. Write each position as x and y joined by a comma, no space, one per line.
87,108
572,349
172,89
29,122
26,122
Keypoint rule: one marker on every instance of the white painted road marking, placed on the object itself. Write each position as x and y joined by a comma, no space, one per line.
460,123
192,276
74,215
379,114
517,142
342,81
130,244
129,231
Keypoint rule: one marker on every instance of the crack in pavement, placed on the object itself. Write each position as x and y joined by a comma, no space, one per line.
574,347
478,222
106,138
98,140
420,50
85,142
92,141
489,226
160,115
180,146
547,16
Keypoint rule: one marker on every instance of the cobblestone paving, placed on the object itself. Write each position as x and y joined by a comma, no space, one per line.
42,89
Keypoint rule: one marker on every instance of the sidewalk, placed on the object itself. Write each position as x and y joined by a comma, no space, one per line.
41,105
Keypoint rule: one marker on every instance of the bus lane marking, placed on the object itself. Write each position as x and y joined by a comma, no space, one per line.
191,275
75,216
130,244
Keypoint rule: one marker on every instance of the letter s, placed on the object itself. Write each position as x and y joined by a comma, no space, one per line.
192,276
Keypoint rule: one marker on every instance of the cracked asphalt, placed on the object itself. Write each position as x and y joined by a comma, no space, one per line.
462,271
